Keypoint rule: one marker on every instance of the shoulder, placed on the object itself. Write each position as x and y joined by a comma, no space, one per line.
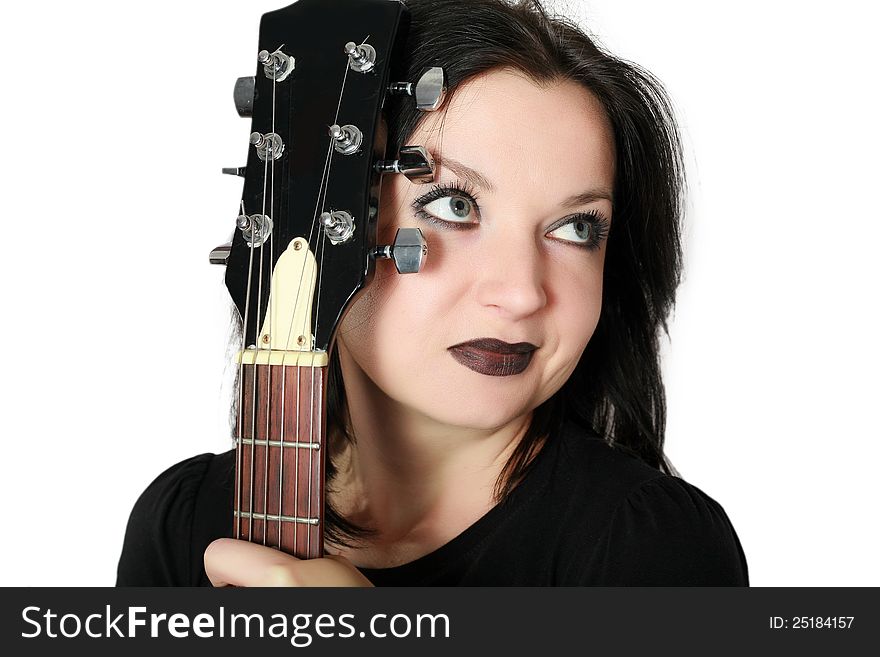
155,550
592,473
644,527
667,532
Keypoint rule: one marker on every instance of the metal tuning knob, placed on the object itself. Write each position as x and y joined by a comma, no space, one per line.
219,255
255,228
414,162
347,139
408,251
276,65
269,146
361,58
338,226
243,95
429,91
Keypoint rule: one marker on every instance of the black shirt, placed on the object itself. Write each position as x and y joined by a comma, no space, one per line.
586,514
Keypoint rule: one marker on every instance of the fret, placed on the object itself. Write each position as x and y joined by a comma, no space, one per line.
290,284
280,458
278,443
272,517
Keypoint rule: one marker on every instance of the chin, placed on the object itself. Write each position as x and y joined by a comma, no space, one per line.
480,423
483,410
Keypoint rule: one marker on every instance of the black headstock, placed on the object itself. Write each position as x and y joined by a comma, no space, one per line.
324,65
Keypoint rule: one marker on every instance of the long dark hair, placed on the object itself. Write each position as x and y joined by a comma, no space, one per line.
616,389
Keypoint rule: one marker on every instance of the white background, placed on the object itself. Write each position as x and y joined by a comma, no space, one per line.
116,120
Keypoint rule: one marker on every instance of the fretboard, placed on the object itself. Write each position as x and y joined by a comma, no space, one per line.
279,486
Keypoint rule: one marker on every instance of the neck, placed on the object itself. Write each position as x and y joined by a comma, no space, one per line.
407,472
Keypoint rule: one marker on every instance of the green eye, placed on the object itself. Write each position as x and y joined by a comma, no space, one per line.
450,208
453,206
583,230
576,231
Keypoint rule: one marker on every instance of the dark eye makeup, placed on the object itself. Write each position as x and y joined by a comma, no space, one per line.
461,196
587,230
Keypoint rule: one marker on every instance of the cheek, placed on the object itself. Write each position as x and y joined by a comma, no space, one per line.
385,322
578,307
358,327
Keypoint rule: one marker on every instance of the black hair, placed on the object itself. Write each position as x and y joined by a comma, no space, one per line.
616,390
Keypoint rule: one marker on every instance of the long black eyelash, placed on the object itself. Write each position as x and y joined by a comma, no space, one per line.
455,188
599,227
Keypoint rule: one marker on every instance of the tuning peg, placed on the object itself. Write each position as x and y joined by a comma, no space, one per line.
338,226
268,146
429,91
347,139
276,65
243,95
235,171
220,255
408,251
361,58
414,162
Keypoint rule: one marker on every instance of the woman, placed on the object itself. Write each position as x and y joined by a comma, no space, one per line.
498,418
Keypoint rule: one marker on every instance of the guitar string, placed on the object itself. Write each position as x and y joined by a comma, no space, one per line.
324,183
271,314
317,313
312,414
240,413
323,250
298,380
319,240
322,190
272,324
298,438
281,457
296,465
325,174
322,197
323,242
319,548
257,326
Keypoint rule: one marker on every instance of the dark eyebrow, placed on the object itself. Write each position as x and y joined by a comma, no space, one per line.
463,171
478,179
588,197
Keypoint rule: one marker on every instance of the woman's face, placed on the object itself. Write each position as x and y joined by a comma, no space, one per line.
515,224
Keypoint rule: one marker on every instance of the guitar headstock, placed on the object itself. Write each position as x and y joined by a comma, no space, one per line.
314,167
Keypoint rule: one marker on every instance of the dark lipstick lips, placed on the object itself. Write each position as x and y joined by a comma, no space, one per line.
493,357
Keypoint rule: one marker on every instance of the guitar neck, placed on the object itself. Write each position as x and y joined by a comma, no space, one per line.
306,233
280,446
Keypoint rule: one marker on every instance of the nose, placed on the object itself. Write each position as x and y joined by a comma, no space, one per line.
510,276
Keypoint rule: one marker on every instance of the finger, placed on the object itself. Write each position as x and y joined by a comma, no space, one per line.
230,562
329,571
339,571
